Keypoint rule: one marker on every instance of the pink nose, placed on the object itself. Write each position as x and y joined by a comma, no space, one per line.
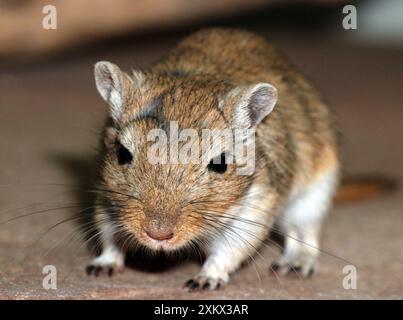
160,235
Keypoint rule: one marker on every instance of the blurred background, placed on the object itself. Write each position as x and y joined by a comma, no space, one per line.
51,116
81,24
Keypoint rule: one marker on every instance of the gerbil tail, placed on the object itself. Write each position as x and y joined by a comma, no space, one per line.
359,188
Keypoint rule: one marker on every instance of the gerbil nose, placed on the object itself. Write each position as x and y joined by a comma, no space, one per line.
160,234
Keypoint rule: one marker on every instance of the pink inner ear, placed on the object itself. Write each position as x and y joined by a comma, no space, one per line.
261,102
110,84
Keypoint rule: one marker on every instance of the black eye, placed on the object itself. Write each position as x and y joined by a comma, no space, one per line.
124,155
218,164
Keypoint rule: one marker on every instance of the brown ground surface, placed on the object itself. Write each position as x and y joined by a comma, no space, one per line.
49,118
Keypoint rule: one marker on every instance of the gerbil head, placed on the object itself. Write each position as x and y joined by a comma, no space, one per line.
175,201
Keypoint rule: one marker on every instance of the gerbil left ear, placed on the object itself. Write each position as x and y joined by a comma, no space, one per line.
114,86
251,104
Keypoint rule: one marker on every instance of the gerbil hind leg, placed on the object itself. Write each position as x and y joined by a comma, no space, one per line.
111,258
301,224
238,240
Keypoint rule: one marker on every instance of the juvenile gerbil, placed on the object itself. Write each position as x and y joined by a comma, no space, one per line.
216,79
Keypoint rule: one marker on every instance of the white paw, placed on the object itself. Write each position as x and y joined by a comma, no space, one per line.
208,279
110,261
304,265
201,282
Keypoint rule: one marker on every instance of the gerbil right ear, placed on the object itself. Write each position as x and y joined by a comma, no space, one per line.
114,85
247,106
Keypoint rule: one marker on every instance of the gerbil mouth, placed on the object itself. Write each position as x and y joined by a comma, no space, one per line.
166,242
160,235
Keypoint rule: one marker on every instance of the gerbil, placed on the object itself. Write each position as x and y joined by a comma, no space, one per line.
216,79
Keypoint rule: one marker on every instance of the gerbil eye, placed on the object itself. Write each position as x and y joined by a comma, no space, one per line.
124,155
218,164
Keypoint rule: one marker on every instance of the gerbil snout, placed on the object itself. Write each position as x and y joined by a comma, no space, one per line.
159,234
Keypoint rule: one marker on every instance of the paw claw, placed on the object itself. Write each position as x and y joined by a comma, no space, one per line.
274,267
99,270
192,285
89,269
108,263
284,268
202,283
206,286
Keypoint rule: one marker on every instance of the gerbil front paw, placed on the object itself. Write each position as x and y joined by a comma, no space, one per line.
303,267
207,279
200,282
109,262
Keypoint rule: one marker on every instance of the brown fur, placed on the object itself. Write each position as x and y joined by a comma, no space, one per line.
295,143
217,79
